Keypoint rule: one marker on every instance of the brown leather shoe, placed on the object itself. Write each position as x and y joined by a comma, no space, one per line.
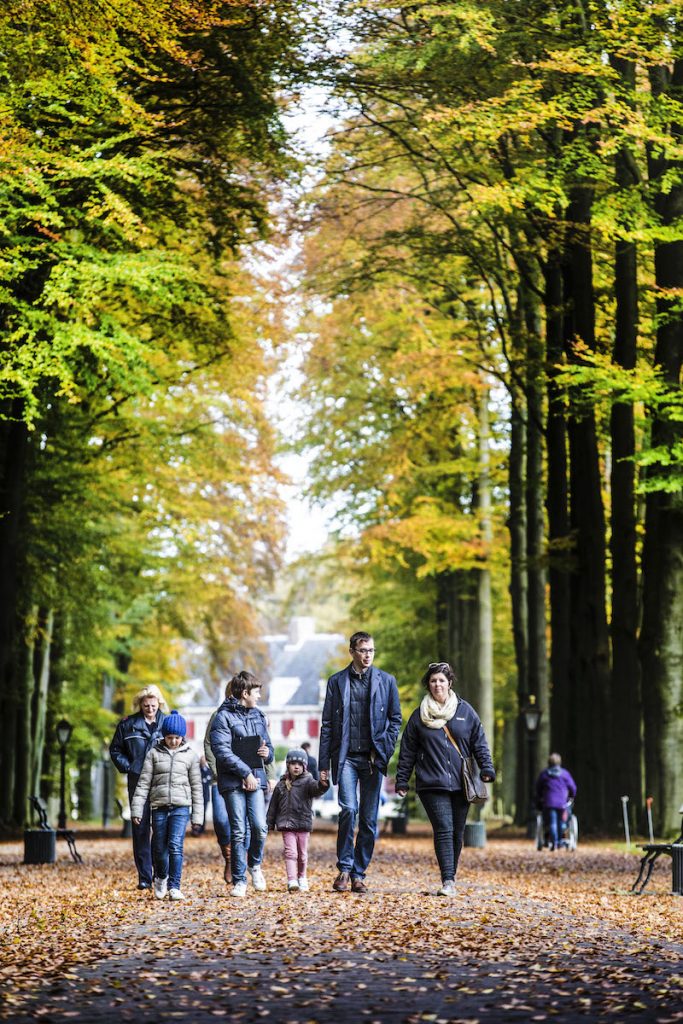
342,882
358,885
227,874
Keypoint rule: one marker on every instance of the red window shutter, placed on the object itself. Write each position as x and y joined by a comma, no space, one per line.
190,730
313,728
287,726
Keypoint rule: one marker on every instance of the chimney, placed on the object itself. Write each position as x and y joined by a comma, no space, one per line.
300,629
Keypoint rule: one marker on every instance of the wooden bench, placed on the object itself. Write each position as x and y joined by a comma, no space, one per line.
653,851
40,808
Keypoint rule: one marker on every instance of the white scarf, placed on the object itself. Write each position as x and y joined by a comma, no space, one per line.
435,715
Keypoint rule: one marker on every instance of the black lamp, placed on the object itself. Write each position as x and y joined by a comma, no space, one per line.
63,730
532,720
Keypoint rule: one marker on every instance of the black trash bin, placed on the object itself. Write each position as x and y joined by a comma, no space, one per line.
677,869
475,834
399,825
40,846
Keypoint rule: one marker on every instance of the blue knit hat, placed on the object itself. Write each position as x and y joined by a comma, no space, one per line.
297,756
174,725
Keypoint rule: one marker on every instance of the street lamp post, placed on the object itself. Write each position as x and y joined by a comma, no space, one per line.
105,788
64,731
532,720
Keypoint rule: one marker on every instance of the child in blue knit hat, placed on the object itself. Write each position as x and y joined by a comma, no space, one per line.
171,776
291,811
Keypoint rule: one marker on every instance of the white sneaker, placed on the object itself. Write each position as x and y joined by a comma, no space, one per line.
293,886
239,889
303,884
160,886
447,889
176,894
257,879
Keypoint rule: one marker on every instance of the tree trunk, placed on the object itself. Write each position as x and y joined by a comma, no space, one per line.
14,453
661,640
484,704
518,596
40,708
626,749
22,789
557,504
589,656
536,575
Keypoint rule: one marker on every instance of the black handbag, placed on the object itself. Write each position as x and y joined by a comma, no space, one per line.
473,786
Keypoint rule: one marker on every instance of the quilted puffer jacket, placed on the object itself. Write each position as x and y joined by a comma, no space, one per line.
233,720
171,778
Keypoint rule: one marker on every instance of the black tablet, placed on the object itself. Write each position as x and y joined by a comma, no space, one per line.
246,747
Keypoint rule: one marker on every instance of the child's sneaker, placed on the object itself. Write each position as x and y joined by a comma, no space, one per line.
303,884
447,889
257,879
239,889
160,886
293,885
176,894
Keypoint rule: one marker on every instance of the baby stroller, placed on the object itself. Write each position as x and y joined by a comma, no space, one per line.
568,829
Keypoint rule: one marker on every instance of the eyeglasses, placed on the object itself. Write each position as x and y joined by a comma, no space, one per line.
364,650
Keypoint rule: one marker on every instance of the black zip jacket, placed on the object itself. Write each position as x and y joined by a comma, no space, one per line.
290,810
436,762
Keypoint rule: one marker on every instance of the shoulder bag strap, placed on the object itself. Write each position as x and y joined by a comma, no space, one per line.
450,736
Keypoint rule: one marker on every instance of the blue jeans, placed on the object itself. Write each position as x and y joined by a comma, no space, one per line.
142,840
221,821
357,775
246,811
447,813
168,835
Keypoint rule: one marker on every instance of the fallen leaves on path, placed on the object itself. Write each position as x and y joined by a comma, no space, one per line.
561,927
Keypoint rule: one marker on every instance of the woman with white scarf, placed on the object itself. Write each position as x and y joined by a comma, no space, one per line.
442,731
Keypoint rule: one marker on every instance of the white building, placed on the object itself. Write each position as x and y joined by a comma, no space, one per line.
300,662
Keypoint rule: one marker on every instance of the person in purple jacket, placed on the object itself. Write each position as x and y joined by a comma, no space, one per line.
554,789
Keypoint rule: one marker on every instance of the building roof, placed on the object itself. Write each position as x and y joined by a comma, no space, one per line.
299,660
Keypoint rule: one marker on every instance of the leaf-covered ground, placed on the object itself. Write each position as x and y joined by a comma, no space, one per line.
531,936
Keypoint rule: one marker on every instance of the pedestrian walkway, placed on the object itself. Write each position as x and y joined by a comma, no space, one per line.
531,936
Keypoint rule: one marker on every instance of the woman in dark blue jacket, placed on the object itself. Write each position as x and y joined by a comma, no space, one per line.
134,737
428,747
243,785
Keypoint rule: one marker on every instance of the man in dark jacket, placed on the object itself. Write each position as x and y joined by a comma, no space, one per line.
554,789
360,723
134,736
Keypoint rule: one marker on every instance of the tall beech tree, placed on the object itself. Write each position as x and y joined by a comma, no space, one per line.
661,638
142,144
517,143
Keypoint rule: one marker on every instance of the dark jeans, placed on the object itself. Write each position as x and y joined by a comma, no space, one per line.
359,790
552,819
221,821
447,812
142,837
168,835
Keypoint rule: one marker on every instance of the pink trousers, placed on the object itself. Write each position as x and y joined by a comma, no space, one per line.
296,854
